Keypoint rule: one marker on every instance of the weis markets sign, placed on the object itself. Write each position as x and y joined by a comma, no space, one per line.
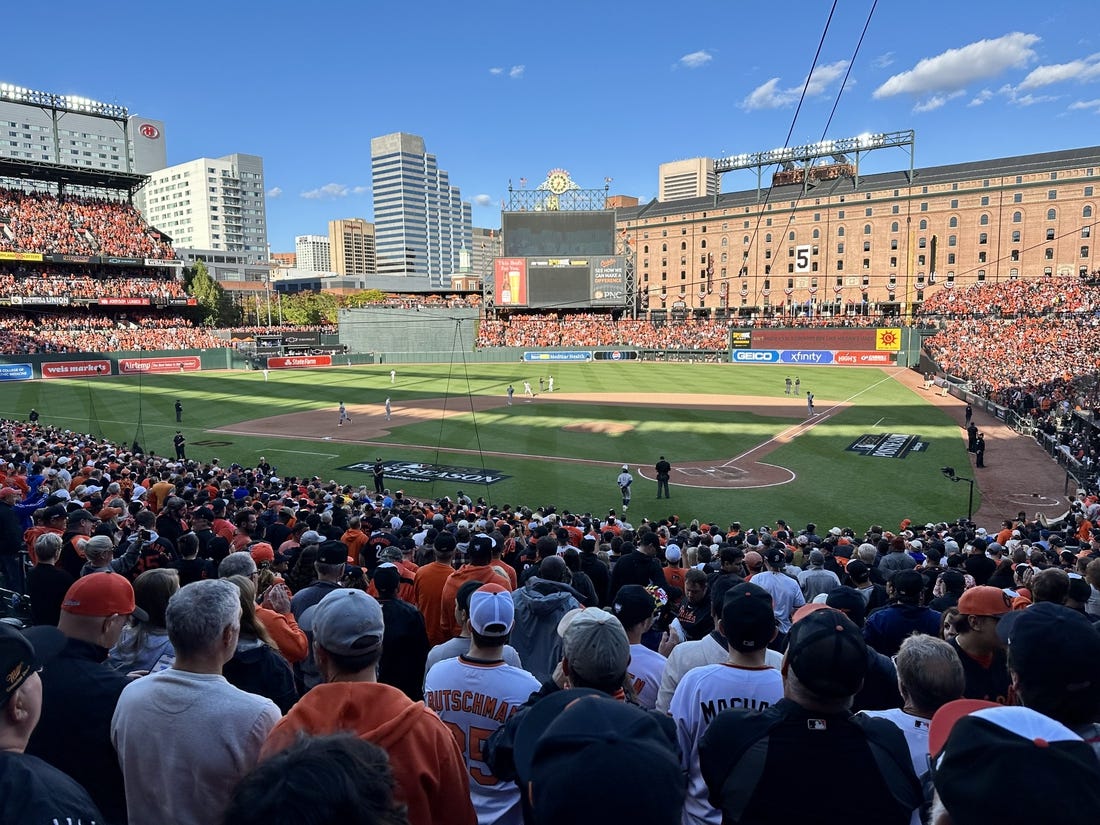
415,471
76,369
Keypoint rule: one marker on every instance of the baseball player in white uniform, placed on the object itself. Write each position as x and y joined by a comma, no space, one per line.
624,481
343,415
744,681
476,693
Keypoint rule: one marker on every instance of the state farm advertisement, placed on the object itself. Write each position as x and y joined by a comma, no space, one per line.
187,363
76,369
294,362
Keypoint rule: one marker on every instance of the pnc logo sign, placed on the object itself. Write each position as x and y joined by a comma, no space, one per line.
763,356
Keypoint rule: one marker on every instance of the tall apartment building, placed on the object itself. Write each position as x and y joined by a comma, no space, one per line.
351,247
312,253
487,245
421,222
211,203
692,178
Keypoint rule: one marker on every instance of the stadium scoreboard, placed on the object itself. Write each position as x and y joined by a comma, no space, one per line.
559,259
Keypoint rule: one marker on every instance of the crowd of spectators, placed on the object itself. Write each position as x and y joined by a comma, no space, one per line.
28,334
38,222
1042,296
116,284
594,329
271,637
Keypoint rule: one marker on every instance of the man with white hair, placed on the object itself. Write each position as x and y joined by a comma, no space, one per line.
191,782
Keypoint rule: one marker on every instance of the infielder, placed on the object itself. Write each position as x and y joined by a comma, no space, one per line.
624,481
550,384
343,415
511,392
393,376
527,389
389,410
809,403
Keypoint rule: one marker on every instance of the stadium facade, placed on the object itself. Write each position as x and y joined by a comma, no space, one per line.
421,222
873,243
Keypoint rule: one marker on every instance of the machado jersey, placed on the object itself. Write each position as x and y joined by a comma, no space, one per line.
473,700
702,694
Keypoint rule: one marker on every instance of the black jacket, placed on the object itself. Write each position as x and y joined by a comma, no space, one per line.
79,694
404,648
262,671
597,571
635,568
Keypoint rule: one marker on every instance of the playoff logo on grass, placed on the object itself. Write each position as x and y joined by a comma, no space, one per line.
887,445
415,471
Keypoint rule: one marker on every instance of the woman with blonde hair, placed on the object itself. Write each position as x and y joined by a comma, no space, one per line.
144,643
257,667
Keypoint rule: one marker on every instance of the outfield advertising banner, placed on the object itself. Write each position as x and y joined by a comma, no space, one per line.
813,357
16,372
576,355
186,363
294,362
99,368
123,302
510,281
862,339
21,256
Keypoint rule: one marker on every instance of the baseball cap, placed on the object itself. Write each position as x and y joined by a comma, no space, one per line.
595,644
626,467
262,552
492,611
1055,650
387,577
102,594
672,553
633,604
204,513
827,653
332,552
638,763
311,537
77,516
975,745
907,584
9,491
482,544
858,570
393,553
748,617
25,653
984,601
776,557
346,622
849,602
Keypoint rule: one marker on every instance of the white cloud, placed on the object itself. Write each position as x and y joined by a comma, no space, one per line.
516,72
1085,105
954,69
695,59
883,60
334,190
980,98
483,200
496,70
1087,68
1031,100
936,101
769,95
274,192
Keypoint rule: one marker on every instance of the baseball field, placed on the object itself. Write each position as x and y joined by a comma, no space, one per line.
740,446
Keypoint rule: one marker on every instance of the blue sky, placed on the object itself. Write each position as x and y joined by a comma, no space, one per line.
502,91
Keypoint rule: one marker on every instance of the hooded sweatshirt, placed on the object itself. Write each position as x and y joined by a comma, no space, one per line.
428,766
540,604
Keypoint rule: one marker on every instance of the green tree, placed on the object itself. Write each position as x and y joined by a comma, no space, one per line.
309,308
216,309
364,298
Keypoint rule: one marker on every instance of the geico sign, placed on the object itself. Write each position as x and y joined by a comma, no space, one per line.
756,355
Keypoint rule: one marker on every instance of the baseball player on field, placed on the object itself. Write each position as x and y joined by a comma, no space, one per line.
624,481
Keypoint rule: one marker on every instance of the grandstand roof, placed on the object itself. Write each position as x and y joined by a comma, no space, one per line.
928,176
62,175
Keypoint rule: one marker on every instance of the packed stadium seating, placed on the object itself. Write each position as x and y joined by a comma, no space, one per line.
37,222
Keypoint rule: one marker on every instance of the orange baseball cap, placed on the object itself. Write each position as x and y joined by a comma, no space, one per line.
985,601
102,594
262,552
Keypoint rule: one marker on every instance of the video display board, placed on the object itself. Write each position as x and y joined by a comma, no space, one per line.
557,234
560,282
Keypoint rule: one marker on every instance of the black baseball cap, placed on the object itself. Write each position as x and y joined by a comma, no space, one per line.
1055,650
827,653
332,552
748,617
633,605
23,654
849,602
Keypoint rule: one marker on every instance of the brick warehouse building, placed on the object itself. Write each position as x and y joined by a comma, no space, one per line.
884,244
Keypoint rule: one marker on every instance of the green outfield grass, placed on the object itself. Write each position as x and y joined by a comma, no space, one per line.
528,441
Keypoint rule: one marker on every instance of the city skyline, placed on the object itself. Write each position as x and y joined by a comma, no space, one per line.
501,93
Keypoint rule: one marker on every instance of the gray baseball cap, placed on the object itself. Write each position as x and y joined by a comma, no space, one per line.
595,644
345,622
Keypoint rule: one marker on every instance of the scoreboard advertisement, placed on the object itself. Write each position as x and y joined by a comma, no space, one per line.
565,281
858,347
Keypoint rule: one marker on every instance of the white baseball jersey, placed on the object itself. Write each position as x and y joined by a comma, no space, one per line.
702,694
645,672
473,700
915,729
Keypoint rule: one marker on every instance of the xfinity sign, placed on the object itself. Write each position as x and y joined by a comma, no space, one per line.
756,356
811,357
